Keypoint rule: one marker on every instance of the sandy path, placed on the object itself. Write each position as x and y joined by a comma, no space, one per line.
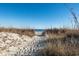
36,44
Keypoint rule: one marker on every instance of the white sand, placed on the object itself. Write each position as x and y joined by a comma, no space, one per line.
14,44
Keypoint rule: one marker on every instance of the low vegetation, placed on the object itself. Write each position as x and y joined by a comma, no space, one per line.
61,42
29,32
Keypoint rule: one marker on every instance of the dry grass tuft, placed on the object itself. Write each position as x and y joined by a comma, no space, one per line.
29,32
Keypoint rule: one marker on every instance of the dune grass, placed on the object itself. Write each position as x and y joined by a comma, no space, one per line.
63,42
29,32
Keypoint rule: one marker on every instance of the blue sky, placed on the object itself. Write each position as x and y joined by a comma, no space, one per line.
36,15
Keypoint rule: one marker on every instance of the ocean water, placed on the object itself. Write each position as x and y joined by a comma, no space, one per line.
39,30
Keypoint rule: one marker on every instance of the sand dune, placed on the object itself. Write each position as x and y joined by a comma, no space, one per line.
20,45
